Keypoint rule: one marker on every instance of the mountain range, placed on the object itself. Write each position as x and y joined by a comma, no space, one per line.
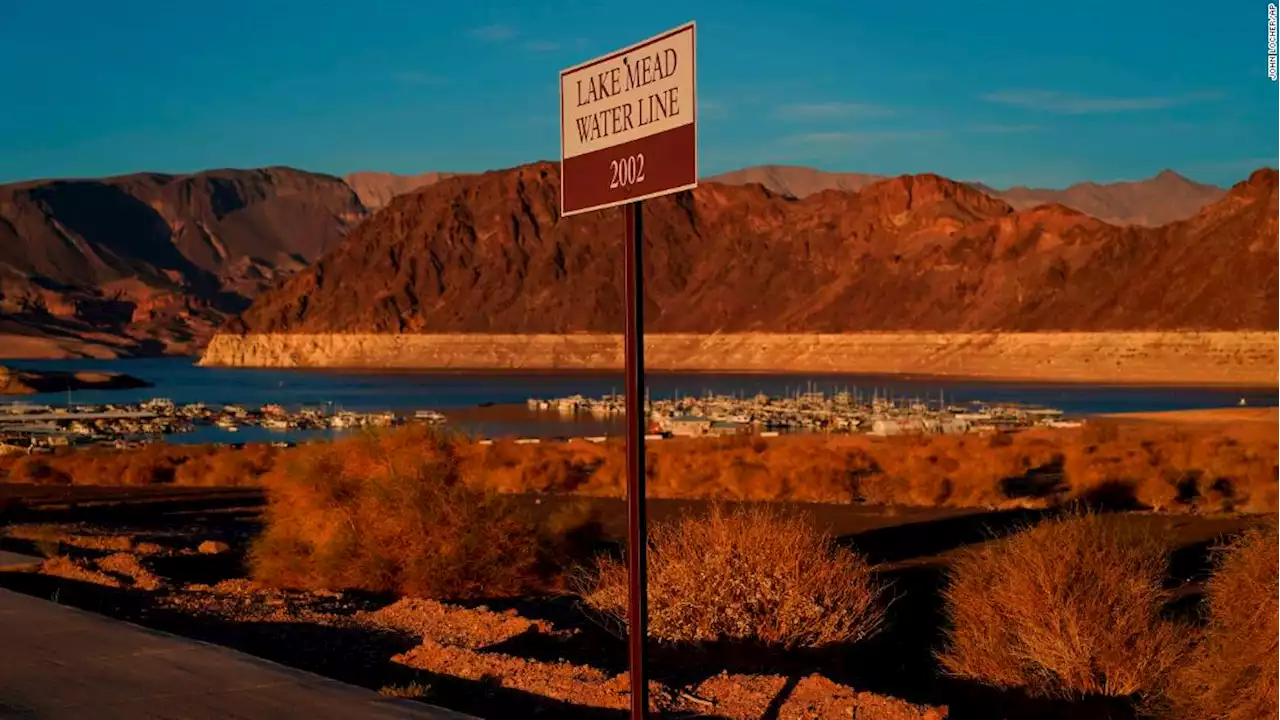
489,254
1161,199
150,263
376,189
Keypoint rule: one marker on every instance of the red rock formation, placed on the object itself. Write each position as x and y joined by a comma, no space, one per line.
489,253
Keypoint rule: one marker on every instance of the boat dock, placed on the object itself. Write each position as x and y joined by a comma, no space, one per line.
842,412
24,426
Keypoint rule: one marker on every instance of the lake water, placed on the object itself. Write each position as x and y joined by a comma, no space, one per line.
481,402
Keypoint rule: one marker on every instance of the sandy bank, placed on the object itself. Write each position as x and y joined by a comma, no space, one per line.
1246,358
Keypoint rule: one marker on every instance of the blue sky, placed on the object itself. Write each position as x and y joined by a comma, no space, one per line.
1008,92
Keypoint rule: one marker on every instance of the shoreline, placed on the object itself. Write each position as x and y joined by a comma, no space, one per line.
1065,383
1157,359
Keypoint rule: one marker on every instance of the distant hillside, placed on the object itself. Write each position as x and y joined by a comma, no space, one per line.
795,181
1165,198
490,254
1158,200
150,263
376,189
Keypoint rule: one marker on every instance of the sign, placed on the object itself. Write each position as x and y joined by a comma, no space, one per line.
628,124
629,132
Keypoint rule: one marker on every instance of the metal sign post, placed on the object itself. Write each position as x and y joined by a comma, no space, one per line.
628,132
637,565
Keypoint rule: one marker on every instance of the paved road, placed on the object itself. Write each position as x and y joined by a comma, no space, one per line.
17,561
58,662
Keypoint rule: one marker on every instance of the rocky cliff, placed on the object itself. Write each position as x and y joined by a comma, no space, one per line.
151,263
1232,358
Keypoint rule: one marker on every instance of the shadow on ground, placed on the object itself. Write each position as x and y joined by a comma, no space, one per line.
930,538
898,662
135,507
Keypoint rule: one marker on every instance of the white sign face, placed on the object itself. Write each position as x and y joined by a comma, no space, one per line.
628,124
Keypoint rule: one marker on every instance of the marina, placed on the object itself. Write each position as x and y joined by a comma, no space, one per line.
495,404
813,411
29,426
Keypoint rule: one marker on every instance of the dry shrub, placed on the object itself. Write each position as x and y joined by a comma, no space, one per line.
963,471
150,465
157,463
1173,468
801,468
545,467
127,565
1232,675
94,466
36,470
1185,468
390,511
798,469
226,467
571,535
412,690
79,570
752,574
1070,607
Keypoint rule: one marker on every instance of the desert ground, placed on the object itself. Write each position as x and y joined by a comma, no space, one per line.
479,579
1235,415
